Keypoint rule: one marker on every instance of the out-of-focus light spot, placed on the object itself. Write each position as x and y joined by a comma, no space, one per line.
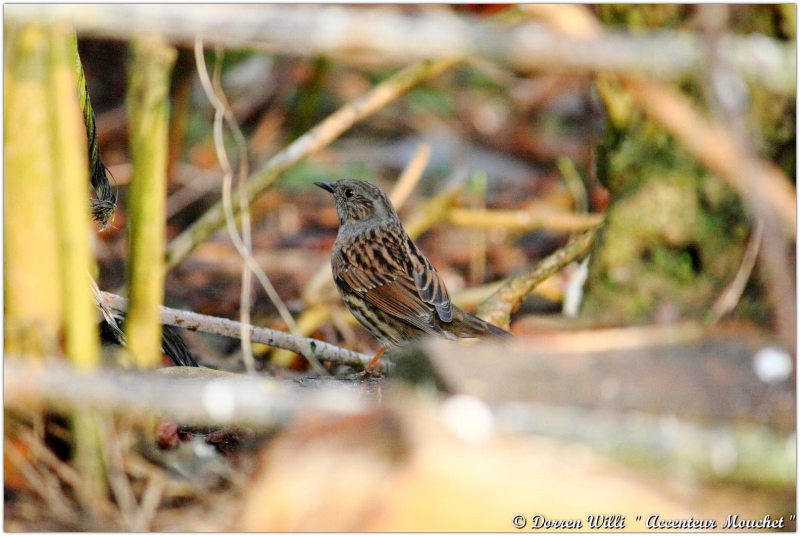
468,418
772,365
203,449
219,401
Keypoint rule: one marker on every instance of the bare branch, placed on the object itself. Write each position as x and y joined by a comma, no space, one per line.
389,36
230,328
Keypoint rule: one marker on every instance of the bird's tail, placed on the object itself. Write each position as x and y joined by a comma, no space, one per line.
480,328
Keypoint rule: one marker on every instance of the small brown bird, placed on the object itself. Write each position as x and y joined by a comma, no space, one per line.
385,280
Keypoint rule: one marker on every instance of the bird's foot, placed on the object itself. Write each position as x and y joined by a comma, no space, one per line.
375,371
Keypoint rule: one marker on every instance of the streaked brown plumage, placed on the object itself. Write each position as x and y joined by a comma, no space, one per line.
384,279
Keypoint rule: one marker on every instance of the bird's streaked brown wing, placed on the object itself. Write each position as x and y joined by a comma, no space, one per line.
432,290
393,291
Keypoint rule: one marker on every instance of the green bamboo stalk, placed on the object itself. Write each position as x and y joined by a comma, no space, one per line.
69,150
32,282
148,113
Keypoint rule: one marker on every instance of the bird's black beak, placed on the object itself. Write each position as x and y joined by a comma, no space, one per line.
325,186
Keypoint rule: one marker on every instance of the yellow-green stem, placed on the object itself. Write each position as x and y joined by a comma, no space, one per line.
148,112
31,264
72,202
69,149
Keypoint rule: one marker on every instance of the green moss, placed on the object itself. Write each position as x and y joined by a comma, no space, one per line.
674,234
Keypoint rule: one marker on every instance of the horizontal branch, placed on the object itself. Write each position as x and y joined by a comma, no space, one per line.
386,35
524,220
323,351
192,400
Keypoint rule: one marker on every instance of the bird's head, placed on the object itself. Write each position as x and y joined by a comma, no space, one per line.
359,202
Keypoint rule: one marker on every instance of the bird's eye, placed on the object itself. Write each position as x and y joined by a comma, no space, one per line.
349,193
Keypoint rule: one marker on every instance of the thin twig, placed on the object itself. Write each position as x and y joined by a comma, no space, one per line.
151,499
119,481
727,96
55,502
230,328
243,243
733,292
411,175
66,473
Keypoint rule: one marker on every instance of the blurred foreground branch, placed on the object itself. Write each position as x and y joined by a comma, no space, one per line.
387,35
646,411
682,394
230,328
260,403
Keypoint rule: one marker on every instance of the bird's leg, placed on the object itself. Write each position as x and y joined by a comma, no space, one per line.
375,359
372,367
